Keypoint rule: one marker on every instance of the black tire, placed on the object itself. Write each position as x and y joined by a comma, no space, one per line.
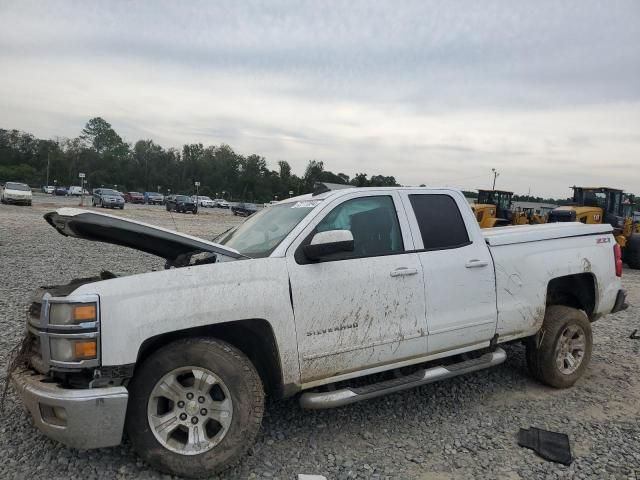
542,350
168,208
195,211
245,388
632,252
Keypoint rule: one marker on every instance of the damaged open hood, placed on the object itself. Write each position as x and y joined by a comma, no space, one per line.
102,227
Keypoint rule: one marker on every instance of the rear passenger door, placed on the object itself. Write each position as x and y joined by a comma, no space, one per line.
458,269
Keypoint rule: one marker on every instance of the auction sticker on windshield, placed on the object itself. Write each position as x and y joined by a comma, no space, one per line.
307,204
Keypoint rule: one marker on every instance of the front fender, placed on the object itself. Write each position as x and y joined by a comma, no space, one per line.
138,307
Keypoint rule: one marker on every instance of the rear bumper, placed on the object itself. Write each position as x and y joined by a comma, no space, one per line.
621,303
78,418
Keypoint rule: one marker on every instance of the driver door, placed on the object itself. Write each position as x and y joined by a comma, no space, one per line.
359,309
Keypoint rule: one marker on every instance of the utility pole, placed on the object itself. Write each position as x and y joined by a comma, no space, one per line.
496,174
48,155
81,176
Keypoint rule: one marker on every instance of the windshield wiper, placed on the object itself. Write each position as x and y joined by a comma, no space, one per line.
220,234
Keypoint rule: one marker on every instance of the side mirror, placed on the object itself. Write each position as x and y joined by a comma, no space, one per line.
327,243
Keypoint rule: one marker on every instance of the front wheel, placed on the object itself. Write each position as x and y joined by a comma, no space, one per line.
560,354
195,407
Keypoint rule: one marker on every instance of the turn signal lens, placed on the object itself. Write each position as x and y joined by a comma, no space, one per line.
85,349
83,313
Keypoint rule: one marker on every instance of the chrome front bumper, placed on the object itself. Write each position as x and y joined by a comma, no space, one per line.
78,418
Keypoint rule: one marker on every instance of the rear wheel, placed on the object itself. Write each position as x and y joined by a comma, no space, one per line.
562,351
168,208
195,407
632,251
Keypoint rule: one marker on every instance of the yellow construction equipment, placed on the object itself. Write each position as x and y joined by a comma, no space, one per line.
493,209
605,205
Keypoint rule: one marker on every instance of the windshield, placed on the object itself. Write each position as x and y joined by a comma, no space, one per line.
182,198
203,198
108,192
17,186
263,231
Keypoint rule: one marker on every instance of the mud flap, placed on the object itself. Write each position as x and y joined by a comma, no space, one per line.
551,446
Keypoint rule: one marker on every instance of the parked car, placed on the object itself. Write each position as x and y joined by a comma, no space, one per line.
244,209
48,189
268,204
203,201
107,198
346,283
181,203
153,198
17,193
221,203
134,197
60,191
74,191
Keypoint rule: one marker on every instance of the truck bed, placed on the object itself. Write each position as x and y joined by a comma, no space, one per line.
533,233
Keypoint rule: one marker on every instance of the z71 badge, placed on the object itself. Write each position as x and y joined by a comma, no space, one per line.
603,240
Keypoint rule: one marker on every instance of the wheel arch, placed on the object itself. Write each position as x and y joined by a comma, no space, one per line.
253,337
577,290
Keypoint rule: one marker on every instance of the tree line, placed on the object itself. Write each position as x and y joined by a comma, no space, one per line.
109,161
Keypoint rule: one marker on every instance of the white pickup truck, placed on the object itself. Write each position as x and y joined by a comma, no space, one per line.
397,287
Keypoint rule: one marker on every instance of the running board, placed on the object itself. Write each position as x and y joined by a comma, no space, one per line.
345,396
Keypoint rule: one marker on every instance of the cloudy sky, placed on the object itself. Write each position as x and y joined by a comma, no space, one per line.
548,93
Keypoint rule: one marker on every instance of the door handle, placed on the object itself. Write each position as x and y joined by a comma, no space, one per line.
403,271
475,263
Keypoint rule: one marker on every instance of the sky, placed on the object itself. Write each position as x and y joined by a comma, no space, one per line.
433,92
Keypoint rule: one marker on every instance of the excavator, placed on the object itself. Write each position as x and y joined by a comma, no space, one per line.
605,205
493,209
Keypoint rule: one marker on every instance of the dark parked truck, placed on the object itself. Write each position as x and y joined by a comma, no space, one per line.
345,284
244,209
181,204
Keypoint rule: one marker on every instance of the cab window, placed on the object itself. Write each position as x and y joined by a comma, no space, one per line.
372,221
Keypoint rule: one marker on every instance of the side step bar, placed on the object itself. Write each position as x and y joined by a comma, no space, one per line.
345,396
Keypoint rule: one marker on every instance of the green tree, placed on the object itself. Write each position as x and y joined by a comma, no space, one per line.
99,134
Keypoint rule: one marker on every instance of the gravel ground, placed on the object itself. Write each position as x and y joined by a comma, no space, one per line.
461,428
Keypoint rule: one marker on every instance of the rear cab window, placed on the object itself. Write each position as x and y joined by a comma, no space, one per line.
439,220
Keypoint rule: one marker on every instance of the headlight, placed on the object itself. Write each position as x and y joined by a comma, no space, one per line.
72,313
72,350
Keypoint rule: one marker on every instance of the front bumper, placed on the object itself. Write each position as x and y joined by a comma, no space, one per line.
78,418
18,201
621,303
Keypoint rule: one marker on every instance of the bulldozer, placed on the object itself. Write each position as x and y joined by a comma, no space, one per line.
593,205
493,209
